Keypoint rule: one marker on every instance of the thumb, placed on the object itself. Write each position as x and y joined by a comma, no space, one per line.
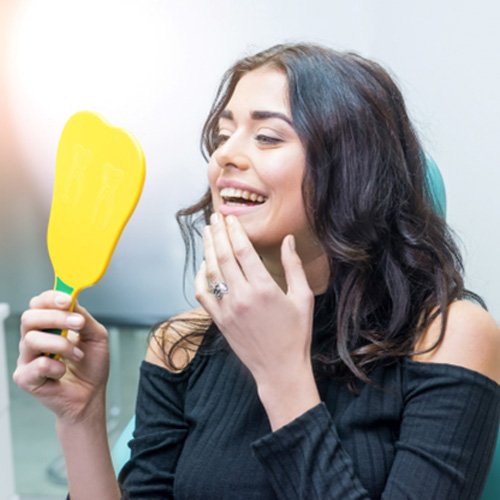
92,329
294,272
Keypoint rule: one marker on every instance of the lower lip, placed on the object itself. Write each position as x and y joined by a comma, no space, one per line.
236,209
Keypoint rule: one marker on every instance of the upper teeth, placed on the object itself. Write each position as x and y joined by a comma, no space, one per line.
241,193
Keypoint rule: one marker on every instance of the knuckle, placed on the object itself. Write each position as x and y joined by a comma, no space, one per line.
241,251
224,257
23,350
211,276
266,291
43,365
25,316
17,377
56,369
241,306
42,298
30,338
33,301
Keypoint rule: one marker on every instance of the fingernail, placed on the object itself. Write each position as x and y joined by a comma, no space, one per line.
74,320
62,299
230,219
215,218
291,242
78,353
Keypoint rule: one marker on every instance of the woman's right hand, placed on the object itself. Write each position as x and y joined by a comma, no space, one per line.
74,386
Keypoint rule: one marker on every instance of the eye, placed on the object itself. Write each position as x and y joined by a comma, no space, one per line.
267,140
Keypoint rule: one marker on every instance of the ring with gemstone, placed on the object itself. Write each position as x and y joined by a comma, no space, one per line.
219,289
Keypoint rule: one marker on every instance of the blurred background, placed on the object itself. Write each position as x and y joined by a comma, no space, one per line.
152,67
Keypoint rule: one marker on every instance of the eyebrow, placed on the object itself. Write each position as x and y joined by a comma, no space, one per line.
259,115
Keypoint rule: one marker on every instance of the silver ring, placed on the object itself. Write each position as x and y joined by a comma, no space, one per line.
219,289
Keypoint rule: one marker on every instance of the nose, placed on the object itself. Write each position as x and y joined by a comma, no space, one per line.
232,153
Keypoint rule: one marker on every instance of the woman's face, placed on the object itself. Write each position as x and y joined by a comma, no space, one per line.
256,171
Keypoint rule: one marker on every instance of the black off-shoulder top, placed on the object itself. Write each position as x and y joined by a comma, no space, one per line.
421,431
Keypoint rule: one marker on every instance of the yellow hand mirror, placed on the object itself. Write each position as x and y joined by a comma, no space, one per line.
99,176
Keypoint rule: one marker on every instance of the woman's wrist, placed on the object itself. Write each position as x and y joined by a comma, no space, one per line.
288,396
91,414
92,428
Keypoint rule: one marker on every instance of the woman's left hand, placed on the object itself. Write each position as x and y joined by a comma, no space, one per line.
268,329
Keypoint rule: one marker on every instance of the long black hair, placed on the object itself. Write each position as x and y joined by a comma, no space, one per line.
394,265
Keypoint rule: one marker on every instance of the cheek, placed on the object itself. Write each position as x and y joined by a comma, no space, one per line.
288,189
215,201
212,171
292,204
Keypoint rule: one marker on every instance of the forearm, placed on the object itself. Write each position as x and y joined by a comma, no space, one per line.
88,460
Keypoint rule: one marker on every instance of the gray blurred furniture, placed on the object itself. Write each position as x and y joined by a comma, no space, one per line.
6,462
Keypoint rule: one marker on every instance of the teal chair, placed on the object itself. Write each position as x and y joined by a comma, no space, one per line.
492,488
435,185
120,452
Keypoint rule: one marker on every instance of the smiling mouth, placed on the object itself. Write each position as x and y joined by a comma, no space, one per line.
235,196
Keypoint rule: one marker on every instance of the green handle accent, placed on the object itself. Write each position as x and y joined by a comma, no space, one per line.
59,286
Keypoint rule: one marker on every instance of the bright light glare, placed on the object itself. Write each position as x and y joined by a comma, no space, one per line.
106,56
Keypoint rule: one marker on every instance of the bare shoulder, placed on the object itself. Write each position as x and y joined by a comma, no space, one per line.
471,340
173,334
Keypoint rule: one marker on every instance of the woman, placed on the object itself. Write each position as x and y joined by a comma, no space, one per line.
334,355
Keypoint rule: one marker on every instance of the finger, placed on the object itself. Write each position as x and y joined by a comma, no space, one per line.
294,272
51,299
92,329
43,319
248,259
32,376
202,293
73,337
211,267
36,343
224,253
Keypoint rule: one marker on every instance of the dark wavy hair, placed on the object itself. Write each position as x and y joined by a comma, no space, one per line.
394,265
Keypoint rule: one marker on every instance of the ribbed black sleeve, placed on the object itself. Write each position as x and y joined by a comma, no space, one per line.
305,459
448,433
449,426
159,435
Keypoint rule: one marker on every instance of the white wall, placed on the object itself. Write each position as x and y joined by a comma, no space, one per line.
153,66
